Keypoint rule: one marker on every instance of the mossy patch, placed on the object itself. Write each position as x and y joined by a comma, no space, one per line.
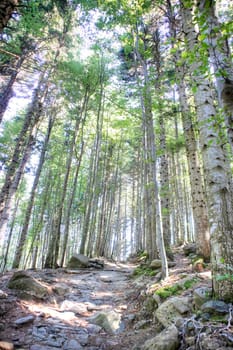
144,270
175,289
189,283
166,292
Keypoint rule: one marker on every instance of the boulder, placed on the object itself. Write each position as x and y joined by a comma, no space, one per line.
201,295
166,340
215,307
173,309
190,249
110,320
28,286
77,261
157,264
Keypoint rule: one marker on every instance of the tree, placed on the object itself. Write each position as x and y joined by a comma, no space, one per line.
216,166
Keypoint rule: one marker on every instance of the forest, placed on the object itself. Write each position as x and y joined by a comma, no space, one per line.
116,133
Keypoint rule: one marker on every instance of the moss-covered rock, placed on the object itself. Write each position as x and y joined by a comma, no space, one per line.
168,339
28,286
173,309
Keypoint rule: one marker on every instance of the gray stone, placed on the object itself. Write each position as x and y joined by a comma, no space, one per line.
166,340
108,320
200,296
72,344
61,289
77,261
172,310
40,332
93,328
215,307
142,324
190,249
24,320
83,339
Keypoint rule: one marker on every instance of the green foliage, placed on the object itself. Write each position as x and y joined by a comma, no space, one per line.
225,277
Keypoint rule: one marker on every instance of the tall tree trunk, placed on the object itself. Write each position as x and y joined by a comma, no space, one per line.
69,206
23,234
151,151
94,165
20,156
199,205
216,166
8,91
220,59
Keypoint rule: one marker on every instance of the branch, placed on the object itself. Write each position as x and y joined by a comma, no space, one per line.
9,53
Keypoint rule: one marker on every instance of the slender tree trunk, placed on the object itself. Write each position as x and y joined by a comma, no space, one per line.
69,206
90,197
23,234
150,148
8,91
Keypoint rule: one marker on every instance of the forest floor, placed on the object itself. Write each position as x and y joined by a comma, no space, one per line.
64,319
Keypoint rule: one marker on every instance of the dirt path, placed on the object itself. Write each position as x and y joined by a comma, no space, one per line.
86,309
65,321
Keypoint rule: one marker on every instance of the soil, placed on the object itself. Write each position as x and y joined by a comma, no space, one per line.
51,325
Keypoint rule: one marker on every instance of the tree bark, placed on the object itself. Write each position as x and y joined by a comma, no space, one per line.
217,169
23,234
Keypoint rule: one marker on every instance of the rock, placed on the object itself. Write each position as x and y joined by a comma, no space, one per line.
201,295
40,332
83,339
157,264
172,310
61,289
211,343
5,345
23,320
190,249
96,263
215,307
78,308
28,286
142,324
166,340
41,347
94,328
77,261
72,344
108,320
3,295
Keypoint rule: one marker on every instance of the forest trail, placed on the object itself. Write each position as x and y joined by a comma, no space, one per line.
64,321
68,320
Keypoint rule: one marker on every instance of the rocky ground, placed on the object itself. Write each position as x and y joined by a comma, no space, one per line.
92,308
